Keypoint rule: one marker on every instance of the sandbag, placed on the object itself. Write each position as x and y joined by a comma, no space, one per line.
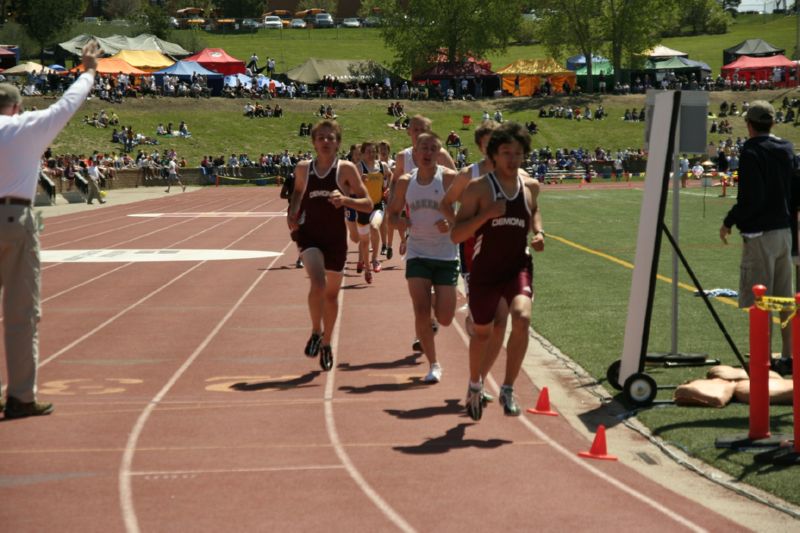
780,391
727,373
705,393
731,373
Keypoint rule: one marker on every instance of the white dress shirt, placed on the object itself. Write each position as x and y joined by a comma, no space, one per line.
24,138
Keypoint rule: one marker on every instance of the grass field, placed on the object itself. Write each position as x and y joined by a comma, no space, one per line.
217,125
582,297
581,307
292,47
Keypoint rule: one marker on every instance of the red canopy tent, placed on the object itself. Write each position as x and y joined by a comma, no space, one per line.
218,60
760,68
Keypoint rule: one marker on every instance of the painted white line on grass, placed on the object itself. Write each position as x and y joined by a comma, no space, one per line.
573,456
333,435
125,490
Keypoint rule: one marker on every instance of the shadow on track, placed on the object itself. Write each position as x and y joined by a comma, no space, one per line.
289,384
451,407
453,439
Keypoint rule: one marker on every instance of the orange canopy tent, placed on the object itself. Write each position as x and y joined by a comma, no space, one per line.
110,65
524,76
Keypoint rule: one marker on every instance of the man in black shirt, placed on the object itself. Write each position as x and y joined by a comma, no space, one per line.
763,213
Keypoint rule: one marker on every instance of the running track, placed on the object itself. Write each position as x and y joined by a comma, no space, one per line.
183,401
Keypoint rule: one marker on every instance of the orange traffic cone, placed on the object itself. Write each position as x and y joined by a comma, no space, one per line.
598,450
543,404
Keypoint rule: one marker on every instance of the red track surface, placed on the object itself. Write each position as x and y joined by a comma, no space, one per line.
183,401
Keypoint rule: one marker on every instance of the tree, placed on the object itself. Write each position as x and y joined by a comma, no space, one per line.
45,20
703,16
572,24
155,20
331,6
634,26
120,9
237,9
419,30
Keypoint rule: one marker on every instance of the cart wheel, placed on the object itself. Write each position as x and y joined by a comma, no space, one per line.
640,389
612,374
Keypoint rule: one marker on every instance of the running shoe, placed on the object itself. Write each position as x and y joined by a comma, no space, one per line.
474,402
508,401
359,267
299,263
486,398
416,345
389,252
782,366
434,374
368,275
326,358
383,249
376,266
313,344
435,327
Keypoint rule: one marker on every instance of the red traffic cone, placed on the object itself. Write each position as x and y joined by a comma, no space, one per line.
598,450
543,404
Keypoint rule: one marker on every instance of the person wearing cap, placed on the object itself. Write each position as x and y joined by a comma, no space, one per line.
23,139
764,210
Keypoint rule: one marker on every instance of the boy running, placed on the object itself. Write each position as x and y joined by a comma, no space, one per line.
500,209
374,174
432,258
323,187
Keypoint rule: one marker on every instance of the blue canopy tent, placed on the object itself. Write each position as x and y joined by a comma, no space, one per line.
579,61
247,81
184,71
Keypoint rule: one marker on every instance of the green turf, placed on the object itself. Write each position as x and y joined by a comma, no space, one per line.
581,307
292,47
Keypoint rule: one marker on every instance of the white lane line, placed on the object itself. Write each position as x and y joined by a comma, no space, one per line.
108,272
573,456
102,217
146,221
140,301
235,470
125,489
333,435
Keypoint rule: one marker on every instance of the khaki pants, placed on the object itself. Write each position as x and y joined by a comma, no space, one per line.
94,191
767,260
20,280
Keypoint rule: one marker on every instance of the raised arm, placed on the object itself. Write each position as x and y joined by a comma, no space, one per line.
398,203
300,180
537,243
477,207
356,192
454,192
445,160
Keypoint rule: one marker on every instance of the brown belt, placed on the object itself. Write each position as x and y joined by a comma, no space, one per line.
10,200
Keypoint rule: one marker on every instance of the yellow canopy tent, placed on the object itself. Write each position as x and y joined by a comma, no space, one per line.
524,76
147,60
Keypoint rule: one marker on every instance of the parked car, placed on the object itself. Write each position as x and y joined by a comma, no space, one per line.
321,20
371,22
272,22
250,23
351,23
298,23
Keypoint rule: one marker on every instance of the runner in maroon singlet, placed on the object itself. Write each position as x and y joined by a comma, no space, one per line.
323,188
500,209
